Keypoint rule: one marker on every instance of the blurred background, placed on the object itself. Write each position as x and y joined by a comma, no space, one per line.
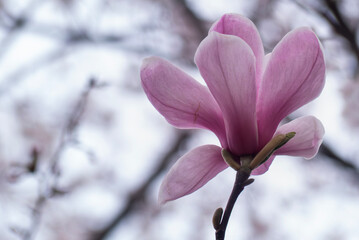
83,152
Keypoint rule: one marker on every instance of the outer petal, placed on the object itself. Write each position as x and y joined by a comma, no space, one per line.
191,172
237,25
227,64
309,135
183,101
294,75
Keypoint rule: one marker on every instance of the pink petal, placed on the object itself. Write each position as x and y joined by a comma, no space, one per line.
294,76
237,25
191,172
309,135
227,64
263,167
183,101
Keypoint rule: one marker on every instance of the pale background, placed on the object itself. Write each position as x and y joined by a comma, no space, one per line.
83,152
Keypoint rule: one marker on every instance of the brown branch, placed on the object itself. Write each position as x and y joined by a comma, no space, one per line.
326,151
240,183
188,26
190,16
339,24
139,195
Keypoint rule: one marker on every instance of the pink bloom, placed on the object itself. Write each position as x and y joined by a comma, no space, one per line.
246,97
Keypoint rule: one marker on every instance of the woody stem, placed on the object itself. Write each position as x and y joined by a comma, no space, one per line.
239,184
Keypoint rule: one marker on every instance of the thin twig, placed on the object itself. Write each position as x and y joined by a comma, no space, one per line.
51,177
17,23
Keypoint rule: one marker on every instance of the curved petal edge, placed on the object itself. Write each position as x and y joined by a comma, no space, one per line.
309,136
191,172
294,76
184,102
244,28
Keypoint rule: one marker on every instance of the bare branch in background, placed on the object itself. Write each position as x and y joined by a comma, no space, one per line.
262,10
19,74
326,151
194,21
50,182
14,24
188,29
340,25
139,195
330,11
188,26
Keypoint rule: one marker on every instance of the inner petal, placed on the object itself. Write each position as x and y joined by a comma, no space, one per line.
227,64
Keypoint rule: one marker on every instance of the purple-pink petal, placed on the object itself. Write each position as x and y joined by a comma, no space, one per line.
247,95
242,27
294,75
227,64
183,101
191,172
306,142
309,135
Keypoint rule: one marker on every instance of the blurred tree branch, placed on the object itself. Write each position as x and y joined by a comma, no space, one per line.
19,74
196,30
50,188
326,151
195,22
340,25
14,24
139,195
70,37
331,13
188,25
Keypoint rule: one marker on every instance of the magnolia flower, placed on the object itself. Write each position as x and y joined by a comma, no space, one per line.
247,95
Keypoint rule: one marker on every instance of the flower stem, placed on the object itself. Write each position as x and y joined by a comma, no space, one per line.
239,184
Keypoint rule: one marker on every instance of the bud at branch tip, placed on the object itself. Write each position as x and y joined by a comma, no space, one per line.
217,217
